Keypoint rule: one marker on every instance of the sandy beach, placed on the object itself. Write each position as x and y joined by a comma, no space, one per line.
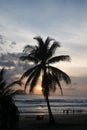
63,122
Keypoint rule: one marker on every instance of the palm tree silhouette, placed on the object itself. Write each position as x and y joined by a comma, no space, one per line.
42,55
9,114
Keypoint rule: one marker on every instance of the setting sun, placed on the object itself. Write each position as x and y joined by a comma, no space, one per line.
40,88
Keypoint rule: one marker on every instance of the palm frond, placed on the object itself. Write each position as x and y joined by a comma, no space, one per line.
15,92
19,92
2,81
28,72
1,74
59,58
28,48
2,85
48,83
35,78
59,85
51,82
13,83
30,77
8,109
53,48
40,40
47,41
29,58
57,81
56,43
9,92
60,74
23,58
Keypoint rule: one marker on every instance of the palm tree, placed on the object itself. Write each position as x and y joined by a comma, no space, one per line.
9,113
42,55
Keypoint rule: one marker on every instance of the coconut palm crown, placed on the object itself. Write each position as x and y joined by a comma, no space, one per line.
42,55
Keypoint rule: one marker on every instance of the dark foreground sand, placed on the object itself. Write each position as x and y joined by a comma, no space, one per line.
63,122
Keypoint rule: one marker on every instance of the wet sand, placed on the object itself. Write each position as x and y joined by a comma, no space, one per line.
63,122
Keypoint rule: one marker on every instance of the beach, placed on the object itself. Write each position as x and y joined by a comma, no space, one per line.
63,122
33,106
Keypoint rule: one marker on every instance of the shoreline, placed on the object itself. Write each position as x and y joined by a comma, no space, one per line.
27,122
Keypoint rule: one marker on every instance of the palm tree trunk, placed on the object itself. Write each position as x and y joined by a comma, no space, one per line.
51,118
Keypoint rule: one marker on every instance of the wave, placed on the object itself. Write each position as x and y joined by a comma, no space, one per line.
37,104
52,101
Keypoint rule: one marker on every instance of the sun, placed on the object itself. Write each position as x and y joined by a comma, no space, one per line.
39,88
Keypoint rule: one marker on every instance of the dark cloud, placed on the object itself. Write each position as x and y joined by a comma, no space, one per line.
12,44
7,63
9,59
14,67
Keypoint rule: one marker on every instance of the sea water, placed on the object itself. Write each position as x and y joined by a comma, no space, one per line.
36,104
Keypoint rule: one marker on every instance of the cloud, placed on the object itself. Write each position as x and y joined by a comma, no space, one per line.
7,63
75,83
1,37
64,21
14,67
79,81
12,44
7,45
2,40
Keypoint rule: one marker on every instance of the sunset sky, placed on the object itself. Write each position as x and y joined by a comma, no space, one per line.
63,20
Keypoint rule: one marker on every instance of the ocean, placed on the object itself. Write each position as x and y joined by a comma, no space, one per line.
35,104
